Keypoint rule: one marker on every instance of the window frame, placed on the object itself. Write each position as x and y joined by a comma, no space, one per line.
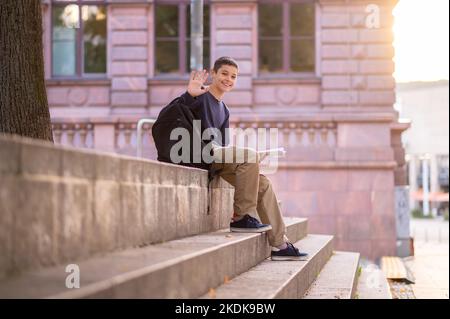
183,69
286,38
79,43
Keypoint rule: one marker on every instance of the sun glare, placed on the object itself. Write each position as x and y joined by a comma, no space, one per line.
421,30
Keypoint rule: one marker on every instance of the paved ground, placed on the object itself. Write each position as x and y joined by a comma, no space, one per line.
372,283
401,290
429,231
430,264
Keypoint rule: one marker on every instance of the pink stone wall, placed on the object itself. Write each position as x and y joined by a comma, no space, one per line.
234,32
129,48
354,204
339,125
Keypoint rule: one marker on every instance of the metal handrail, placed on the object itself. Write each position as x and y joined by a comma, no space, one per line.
140,124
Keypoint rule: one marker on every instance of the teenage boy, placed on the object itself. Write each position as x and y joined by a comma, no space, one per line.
253,191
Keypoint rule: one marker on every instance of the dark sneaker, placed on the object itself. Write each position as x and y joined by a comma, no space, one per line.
289,253
249,224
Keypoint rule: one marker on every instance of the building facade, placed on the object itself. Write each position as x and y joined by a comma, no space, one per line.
319,71
426,104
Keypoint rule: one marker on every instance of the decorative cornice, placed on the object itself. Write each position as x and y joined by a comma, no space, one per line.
287,80
77,82
389,165
233,1
328,2
364,117
47,2
353,2
402,125
129,2
179,80
258,118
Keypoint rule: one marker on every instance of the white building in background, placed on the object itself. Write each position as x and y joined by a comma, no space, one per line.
426,142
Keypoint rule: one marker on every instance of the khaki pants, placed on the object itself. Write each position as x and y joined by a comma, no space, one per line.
253,194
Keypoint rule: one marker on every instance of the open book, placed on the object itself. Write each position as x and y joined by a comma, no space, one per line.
219,152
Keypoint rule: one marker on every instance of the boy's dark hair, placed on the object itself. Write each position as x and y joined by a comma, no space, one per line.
224,60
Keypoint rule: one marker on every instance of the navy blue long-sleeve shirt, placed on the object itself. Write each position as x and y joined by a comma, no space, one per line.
211,112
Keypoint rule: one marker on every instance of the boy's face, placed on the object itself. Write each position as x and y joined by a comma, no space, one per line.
225,78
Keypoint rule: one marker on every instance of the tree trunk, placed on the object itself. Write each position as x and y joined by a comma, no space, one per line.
23,98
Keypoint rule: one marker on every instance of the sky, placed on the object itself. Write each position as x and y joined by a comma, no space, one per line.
421,32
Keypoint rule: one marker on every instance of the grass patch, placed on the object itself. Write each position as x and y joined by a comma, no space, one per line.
418,213
358,272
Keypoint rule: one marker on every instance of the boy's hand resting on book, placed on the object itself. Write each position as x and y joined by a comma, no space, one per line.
196,81
245,152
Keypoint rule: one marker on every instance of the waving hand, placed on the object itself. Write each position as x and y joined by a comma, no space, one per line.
196,81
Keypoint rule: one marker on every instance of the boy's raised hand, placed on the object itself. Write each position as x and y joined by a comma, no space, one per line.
195,86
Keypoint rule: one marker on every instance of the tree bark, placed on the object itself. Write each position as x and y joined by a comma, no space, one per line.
23,97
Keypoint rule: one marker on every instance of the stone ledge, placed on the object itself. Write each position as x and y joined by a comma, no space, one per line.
19,155
69,204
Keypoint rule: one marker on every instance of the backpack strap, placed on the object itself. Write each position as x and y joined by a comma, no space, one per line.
212,172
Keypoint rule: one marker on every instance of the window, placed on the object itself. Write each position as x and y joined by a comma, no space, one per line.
286,36
78,38
172,37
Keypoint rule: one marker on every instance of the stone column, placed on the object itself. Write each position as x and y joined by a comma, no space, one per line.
399,152
434,181
413,162
402,193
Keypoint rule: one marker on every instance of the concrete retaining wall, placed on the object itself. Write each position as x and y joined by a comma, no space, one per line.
59,204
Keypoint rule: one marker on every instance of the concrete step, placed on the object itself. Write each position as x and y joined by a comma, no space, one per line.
372,283
182,268
279,279
338,279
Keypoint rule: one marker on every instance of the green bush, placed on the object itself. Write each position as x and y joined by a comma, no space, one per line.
446,215
418,213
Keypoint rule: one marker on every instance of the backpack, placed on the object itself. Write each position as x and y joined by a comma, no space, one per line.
175,115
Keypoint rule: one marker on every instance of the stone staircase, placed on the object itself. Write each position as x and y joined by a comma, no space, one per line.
141,229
